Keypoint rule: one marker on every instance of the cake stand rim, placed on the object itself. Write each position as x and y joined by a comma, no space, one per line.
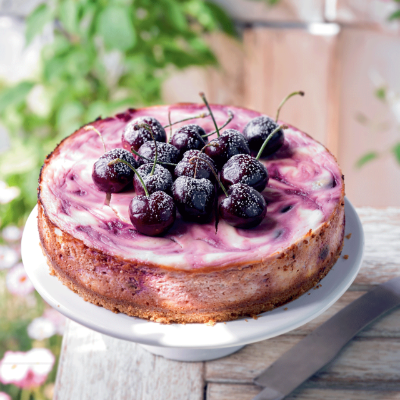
247,330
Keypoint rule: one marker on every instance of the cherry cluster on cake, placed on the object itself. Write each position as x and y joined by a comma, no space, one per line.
187,172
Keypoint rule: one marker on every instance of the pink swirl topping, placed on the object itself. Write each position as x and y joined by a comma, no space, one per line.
304,188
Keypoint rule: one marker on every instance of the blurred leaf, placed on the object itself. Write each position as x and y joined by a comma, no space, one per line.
380,93
114,25
69,15
36,21
175,14
396,151
226,24
394,15
68,117
14,95
366,158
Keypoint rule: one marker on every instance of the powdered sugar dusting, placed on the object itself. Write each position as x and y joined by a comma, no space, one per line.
304,188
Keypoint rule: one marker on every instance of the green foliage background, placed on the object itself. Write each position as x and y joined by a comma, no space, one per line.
104,57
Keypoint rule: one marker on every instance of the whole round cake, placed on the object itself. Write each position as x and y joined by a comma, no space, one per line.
198,270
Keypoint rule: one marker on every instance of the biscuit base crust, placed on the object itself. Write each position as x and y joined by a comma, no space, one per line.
163,295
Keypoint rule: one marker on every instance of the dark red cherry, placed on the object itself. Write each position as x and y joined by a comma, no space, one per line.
165,153
161,180
113,178
134,135
244,207
189,138
186,168
194,198
230,143
244,168
153,215
258,129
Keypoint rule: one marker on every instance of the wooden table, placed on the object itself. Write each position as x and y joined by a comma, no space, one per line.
95,366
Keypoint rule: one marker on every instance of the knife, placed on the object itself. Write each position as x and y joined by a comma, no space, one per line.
322,345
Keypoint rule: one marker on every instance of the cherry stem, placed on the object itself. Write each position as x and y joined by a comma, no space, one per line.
119,160
107,199
269,137
203,96
92,128
212,169
170,126
149,159
230,113
202,115
149,129
301,93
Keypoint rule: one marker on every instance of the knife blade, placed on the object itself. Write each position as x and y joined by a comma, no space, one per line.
322,345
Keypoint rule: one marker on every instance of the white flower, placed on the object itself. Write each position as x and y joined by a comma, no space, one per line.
17,281
7,193
26,370
41,328
11,233
56,318
8,257
13,368
4,396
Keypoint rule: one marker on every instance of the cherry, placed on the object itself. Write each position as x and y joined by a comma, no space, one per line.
189,137
160,180
202,169
113,178
244,207
135,134
258,129
194,198
228,144
166,154
152,215
243,168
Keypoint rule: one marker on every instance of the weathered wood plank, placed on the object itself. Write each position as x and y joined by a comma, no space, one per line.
363,360
382,252
218,391
386,326
95,366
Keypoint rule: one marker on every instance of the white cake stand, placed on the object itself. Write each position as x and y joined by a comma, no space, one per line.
195,342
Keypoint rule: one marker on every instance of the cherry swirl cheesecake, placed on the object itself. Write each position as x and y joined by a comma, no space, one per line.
197,271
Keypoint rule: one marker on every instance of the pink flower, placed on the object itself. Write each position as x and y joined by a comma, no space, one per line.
8,257
18,282
41,328
56,318
26,370
4,396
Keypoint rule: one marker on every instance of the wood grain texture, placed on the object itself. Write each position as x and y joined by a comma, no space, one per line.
382,245
216,391
95,366
374,360
387,325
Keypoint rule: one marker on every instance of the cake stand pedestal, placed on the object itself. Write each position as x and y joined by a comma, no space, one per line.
195,342
191,355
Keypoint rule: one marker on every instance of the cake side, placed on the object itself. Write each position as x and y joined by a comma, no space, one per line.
185,297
